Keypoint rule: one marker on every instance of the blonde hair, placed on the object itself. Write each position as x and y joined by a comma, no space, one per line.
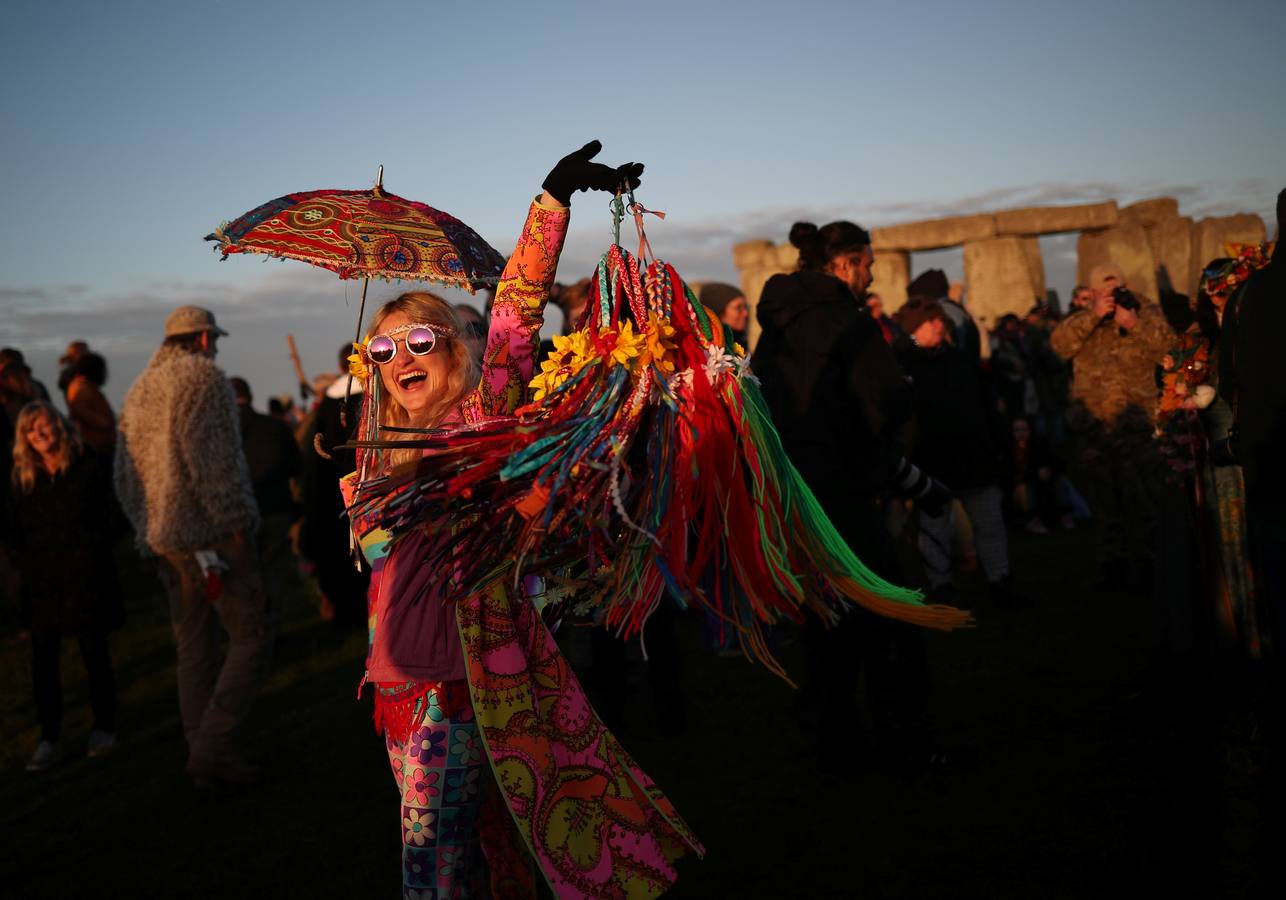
27,463
422,306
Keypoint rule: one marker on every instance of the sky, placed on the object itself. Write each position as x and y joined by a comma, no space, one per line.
132,129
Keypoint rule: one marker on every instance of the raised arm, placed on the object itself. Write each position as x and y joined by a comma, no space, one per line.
519,308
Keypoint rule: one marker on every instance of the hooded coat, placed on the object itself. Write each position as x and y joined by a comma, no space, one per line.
832,385
181,475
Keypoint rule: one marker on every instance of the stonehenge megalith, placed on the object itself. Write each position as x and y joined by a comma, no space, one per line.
1159,250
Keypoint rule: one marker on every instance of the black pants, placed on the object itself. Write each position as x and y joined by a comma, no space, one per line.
46,677
664,671
891,654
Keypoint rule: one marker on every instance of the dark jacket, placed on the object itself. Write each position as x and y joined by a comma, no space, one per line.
60,536
273,459
831,384
324,532
953,437
1252,377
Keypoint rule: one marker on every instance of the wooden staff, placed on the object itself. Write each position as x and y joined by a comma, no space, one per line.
304,388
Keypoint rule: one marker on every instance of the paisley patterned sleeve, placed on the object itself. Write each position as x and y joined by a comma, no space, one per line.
518,312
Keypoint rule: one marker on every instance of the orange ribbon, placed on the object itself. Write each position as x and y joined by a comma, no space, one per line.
637,210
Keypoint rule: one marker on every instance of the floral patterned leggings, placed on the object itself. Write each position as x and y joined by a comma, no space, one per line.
439,774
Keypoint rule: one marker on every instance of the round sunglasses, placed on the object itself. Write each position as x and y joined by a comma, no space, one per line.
421,339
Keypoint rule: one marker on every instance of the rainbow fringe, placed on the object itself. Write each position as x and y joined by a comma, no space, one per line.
648,466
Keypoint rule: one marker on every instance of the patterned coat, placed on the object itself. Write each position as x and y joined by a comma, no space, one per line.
413,636
552,758
1112,373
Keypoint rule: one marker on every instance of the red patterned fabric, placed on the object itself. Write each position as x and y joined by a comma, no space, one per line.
365,234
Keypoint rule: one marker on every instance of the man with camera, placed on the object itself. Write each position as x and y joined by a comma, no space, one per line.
1114,347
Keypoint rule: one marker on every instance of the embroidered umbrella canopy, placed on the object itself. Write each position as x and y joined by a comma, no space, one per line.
365,234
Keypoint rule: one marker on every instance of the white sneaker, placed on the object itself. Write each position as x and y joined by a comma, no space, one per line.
100,742
47,755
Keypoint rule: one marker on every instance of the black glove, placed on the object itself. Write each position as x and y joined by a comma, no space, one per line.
575,172
935,501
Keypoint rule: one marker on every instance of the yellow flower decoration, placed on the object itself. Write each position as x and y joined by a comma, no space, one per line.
659,343
357,362
569,356
628,346
738,349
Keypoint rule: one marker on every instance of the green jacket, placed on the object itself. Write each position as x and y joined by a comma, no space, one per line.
1112,372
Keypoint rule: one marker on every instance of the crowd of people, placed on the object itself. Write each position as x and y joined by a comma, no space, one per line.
1157,421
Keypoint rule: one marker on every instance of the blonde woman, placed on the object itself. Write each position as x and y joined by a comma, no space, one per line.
62,524
469,685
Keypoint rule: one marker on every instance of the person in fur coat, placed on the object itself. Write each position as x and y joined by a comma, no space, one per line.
182,481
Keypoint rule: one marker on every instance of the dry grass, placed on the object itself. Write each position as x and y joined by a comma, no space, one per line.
1082,788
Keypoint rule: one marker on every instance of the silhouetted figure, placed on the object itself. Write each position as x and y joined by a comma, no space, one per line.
273,458
324,532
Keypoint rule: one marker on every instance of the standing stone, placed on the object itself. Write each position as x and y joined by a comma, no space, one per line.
1035,267
750,253
1149,212
787,258
758,261
1171,242
998,277
891,273
1056,219
1210,235
1125,245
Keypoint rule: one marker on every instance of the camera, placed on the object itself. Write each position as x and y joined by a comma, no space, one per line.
1125,299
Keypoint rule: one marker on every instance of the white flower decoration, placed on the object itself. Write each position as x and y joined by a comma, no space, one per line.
717,362
679,379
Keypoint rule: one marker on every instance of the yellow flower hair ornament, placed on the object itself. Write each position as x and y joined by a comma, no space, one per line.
357,361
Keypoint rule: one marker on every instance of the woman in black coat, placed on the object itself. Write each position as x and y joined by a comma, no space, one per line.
62,523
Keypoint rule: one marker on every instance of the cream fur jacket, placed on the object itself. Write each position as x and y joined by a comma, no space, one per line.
181,474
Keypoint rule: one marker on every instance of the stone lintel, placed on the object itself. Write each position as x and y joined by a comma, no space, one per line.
935,234
1036,220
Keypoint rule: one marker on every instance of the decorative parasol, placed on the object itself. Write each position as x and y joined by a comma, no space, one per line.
365,234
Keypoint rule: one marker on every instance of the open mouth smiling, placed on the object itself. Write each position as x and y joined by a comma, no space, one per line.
411,379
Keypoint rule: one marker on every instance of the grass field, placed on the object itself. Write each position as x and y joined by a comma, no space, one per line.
1083,786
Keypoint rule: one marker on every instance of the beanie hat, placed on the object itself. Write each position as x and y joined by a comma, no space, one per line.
931,283
716,296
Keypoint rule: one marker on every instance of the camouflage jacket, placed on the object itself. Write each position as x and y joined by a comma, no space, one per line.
1111,372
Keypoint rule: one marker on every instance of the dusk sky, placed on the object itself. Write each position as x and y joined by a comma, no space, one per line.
132,129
